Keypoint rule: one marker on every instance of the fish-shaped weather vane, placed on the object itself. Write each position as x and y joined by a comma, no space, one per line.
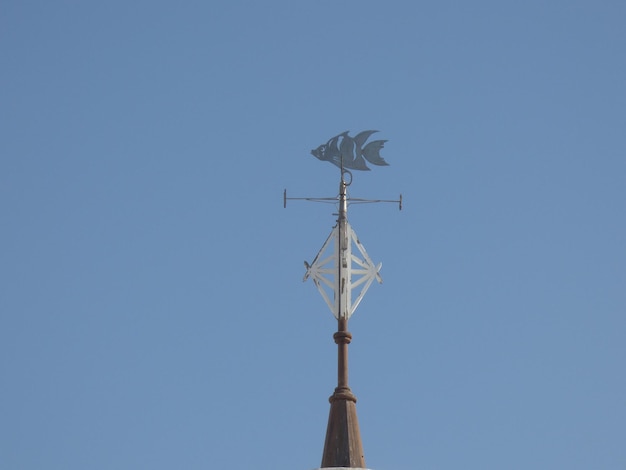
349,152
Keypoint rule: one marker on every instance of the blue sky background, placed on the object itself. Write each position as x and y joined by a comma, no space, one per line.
152,310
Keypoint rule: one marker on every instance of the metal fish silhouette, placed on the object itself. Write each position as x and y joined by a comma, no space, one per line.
349,151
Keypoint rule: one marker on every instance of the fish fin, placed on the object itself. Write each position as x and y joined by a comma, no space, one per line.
371,152
337,136
343,134
358,164
361,137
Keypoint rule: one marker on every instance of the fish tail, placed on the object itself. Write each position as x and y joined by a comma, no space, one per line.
371,152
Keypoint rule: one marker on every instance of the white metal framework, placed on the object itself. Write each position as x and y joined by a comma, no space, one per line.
338,270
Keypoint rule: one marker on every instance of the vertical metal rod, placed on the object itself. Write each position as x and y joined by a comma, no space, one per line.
343,262
342,337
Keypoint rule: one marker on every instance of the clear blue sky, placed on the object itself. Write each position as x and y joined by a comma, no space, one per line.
152,308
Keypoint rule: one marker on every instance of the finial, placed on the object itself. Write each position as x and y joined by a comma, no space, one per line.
342,271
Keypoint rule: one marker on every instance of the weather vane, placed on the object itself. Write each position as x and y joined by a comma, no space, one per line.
342,272
347,152
342,267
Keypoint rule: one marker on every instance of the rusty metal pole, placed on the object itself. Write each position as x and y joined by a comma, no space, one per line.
342,447
342,337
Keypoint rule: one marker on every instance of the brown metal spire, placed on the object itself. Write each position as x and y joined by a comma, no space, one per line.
343,447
